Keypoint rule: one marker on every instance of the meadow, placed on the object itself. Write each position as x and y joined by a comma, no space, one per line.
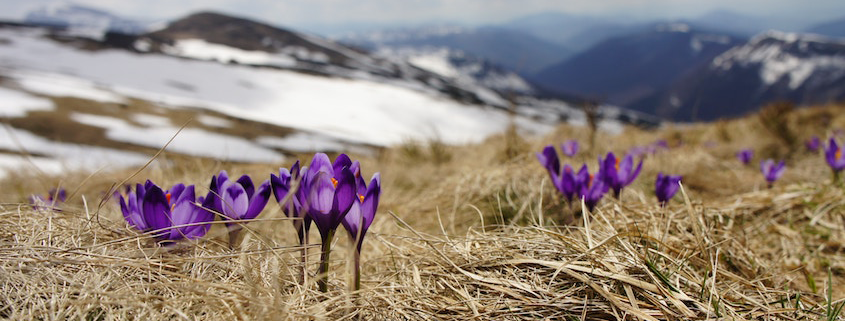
471,232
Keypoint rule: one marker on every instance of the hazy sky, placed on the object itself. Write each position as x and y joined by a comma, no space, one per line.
310,13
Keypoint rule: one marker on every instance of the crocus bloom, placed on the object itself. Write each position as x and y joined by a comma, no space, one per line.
361,216
172,215
745,156
771,171
53,199
665,187
568,184
548,158
813,144
569,148
238,200
330,191
617,174
291,202
833,155
591,188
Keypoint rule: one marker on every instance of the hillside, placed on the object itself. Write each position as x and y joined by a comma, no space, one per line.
626,68
467,232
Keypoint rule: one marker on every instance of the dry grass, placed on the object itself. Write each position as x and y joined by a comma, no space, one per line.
728,249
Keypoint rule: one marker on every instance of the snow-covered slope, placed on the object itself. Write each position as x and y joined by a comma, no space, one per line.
772,66
328,111
83,19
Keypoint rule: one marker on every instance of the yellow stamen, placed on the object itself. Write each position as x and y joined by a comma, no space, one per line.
334,182
838,154
361,197
617,164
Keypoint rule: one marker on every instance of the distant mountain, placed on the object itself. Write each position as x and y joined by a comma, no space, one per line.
773,66
835,28
69,15
577,32
513,49
627,68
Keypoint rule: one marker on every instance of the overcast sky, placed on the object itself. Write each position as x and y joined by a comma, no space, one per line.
307,14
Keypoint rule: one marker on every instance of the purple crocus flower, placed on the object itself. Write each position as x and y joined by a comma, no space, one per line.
291,198
171,215
591,188
238,200
745,156
548,158
813,144
569,148
771,171
833,156
361,216
617,174
330,191
51,201
665,187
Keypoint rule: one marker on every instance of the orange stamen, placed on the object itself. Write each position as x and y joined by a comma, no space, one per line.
617,164
838,154
168,197
361,197
334,182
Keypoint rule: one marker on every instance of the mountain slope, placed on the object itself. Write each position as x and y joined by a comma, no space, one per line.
69,15
627,68
515,50
774,66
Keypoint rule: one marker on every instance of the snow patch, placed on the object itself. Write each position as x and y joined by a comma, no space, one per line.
203,50
190,141
151,120
18,103
212,121
53,84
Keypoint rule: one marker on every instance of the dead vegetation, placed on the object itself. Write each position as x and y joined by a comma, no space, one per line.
467,232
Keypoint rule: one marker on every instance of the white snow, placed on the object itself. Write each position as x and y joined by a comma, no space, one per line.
212,121
436,62
14,103
190,141
776,61
151,120
373,112
302,142
61,156
53,84
201,49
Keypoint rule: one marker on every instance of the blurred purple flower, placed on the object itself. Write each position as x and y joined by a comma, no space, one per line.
591,188
569,148
833,156
51,202
813,144
665,187
771,171
745,156
291,200
617,174
172,215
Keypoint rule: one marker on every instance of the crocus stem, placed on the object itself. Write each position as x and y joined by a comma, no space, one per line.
323,272
234,236
357,258
835,177
303,242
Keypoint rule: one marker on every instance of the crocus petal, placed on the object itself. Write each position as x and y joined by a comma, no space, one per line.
235,200
636,173
176,191
320,163
320,200
246,183
548,158
345,194
184,212
340,162
353,220
258,201
156,210
280,184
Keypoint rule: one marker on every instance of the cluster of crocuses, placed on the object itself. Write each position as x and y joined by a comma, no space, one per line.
325,193
771,171
51,201
613,174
